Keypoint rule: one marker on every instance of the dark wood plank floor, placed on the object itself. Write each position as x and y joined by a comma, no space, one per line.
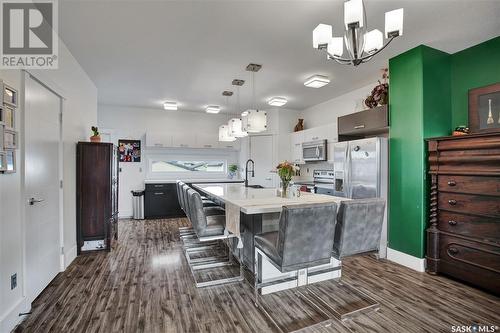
145,285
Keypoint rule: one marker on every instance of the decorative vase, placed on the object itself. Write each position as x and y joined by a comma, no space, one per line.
299,126
231,174
95,138
284,188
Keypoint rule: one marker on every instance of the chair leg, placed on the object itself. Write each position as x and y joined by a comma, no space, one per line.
256,277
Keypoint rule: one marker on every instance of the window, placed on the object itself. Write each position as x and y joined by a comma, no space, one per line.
216,166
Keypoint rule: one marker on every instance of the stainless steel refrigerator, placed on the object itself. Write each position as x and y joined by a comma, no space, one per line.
361,171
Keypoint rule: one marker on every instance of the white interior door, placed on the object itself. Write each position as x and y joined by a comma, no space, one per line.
261,151
42,186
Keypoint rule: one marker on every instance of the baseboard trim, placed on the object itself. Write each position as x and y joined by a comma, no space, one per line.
69,256
11,319
417,264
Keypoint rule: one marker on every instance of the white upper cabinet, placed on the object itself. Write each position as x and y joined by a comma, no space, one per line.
234,145
158,140
326,132
184,140
296,146
207,141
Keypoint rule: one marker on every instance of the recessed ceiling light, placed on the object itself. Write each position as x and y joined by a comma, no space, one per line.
277,101
170,106
244,113
317,81
213,109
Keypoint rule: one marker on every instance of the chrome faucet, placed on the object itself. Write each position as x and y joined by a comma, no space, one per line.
247,171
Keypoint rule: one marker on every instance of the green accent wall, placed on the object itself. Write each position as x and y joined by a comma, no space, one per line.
428,97
474,67
419,104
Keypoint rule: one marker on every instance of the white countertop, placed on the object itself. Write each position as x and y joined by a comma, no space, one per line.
260,200
172,181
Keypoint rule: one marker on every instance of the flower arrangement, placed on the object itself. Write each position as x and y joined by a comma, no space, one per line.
286,171
232,168
380,94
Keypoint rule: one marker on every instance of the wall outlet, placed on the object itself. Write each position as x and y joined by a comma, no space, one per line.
13,281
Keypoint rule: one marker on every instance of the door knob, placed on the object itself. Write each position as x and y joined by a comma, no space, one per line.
33,201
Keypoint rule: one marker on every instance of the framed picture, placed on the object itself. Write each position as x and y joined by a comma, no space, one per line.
484,109
7,116
10,161
9,95
10,139
129,150
3,161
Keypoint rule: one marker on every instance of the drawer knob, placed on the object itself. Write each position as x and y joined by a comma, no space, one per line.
453,250
452,202
451,222
452,183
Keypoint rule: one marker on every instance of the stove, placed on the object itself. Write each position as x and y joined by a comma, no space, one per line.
324,181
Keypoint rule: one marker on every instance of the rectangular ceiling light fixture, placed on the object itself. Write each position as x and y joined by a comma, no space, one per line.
317,81
172,106
213,109
277,101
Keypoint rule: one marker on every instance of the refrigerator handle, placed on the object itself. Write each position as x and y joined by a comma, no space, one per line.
347,171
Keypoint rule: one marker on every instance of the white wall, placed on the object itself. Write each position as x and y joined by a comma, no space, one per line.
133,123
328,112
79,114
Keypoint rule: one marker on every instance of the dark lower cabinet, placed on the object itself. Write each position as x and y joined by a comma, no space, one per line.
250,225
160,201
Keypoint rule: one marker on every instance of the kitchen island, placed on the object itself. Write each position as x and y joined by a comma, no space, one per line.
250,211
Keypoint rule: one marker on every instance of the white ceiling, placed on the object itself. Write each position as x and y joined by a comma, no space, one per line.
141,53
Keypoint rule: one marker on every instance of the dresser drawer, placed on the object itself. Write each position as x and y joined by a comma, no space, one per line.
468,203
469,261
470,226
469,184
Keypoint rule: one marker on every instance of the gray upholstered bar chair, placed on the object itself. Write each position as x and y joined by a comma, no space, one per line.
183,231
357,232
209,227
304,239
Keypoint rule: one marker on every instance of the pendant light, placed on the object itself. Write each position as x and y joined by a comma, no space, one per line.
224,133
235,124
255,121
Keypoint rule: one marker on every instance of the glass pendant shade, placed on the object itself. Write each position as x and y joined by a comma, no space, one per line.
322,35
336,46
374,40
224,134
235,128
394,23
255,121
353,13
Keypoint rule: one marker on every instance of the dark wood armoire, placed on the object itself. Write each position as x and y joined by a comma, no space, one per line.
463,238
96,193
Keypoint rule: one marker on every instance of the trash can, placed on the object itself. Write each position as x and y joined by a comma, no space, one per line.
138,204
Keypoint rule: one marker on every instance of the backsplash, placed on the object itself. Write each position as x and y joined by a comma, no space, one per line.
306,170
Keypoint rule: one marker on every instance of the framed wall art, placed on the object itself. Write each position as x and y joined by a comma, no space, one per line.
3,161
10,139
129,150
10,161
9,96
7,117
484,109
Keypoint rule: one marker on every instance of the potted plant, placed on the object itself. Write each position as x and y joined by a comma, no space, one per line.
95,137
232,168
286,171
380,94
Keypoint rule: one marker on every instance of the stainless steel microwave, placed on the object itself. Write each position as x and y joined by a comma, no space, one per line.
314,151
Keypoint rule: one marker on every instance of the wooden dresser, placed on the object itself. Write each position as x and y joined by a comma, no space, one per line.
96,193
463,238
